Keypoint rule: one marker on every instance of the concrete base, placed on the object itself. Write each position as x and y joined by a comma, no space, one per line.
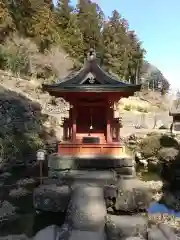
98,177
58,162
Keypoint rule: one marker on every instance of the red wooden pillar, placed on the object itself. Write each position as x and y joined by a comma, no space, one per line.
117,132
74,116
108,127
64,132
70,132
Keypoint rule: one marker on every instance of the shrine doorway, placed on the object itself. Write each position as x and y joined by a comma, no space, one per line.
91,119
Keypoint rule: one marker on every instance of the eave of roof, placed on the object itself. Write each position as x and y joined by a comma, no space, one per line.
75,82
174,113
93,88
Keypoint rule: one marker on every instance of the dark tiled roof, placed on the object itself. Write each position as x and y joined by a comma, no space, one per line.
78,81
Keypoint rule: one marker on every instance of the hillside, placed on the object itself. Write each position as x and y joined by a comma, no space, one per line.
153,78
147,68
30,119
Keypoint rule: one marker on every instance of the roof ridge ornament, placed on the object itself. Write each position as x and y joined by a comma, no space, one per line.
91,54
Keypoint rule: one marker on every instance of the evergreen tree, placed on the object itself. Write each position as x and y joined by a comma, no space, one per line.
63,13
74,43
6,22
136,54
22,13
115,45
44,28
49,3
77,30
70,35
90,19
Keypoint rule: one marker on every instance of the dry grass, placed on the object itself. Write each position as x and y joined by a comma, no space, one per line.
134,104
145,102
21,56
55,61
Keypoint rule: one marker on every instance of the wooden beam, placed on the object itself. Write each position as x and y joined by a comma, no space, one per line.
74,127
108,127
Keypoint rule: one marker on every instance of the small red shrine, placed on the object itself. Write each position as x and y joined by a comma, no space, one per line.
92,129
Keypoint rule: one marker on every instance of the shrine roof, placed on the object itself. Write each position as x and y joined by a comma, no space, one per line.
91,78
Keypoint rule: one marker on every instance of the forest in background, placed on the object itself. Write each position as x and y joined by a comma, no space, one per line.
32,30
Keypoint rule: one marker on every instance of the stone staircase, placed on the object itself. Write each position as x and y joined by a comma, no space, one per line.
87,218
101,170
82,187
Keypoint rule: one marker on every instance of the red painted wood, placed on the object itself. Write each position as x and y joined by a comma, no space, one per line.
73,97
92,150
74,126
88,109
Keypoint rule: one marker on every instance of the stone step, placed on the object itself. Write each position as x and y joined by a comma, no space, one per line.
87,235
98,177
58,162
87,209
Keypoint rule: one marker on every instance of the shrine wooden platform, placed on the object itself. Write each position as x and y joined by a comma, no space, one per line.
91,150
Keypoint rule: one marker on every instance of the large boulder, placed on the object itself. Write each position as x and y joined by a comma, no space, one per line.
167,231
156,234
51,198
168,154
124,227
161,232
7,212
152,143
133,196
170,166
172,200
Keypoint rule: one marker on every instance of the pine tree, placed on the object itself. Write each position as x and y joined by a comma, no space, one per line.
6,22
44,28
74,43
115,41
136,54
63,13
90,19
49,3
23,11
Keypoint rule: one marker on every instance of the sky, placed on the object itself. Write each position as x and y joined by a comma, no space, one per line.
157,25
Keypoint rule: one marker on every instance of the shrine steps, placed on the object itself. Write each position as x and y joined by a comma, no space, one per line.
102,169
101,162
88,177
